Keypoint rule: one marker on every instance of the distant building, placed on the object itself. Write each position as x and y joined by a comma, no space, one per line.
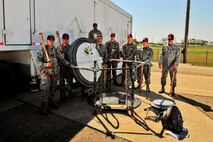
210,43
196,41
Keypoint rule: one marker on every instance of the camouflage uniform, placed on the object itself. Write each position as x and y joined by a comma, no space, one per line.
113,53
92,34
169,56
103,52
49,76
145,54
129,52
65,72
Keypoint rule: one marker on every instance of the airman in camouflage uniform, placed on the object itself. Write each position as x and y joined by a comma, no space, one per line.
129,52
168,61
94,32
102,49
114,53
145,54
65,72
103,53
49,72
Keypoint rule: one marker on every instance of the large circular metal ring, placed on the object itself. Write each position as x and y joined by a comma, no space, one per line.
83,53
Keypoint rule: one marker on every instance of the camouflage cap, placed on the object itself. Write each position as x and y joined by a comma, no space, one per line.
99,35
50,37
129,35
112,35
145,40
95,25
170,37
65,36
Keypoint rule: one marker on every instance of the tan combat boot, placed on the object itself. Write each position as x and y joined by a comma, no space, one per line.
162,90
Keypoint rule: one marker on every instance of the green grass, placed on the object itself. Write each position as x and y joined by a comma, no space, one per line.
196,55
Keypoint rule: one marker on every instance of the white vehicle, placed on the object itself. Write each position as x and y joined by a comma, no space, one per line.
23,20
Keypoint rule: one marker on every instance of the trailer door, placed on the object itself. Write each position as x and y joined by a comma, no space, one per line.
17,22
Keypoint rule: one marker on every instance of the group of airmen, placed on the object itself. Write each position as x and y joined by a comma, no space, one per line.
59,68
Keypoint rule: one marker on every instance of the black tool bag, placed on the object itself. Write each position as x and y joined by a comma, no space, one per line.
172,119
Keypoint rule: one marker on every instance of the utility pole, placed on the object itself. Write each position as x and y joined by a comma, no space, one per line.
186,32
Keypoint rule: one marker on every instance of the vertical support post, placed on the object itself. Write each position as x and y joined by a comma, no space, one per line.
148,67
141,79
94,85
186,32
207,52
133,88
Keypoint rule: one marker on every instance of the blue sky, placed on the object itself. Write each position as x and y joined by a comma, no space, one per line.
155,19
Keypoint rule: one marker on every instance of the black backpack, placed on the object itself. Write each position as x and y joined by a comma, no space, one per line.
172,119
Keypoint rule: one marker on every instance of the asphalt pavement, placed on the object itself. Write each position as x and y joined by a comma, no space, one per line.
75,121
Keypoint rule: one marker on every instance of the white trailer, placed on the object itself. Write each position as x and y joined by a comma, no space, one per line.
22,20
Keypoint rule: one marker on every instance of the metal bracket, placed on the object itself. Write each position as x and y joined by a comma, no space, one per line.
4,31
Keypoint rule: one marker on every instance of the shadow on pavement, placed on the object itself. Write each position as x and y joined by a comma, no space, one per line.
135,117
24,124
78,109
203,106
151,96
